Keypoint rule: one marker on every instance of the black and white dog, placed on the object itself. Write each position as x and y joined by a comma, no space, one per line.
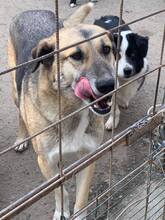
132,61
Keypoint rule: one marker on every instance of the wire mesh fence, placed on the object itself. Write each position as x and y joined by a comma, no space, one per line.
125,198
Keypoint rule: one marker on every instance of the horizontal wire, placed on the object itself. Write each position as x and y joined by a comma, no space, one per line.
125,209
110,188
104,194
107,191
141,188
142,217
54,182
77,111
138,203
158,218
155,212
150,201
80,42
43,57
121,200
156,203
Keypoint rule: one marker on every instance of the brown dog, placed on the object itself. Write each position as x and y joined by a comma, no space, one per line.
86,74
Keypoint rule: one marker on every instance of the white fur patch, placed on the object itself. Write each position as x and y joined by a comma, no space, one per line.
91,4
108,21
72,5
123,61
79,140
21,147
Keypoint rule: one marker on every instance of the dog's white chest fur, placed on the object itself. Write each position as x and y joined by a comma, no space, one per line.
78,140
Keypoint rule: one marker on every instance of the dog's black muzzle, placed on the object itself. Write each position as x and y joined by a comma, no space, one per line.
105,86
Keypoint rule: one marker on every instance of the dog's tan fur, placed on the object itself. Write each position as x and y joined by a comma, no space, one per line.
12,63
38,107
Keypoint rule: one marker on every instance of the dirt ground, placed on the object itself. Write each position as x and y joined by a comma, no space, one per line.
19,173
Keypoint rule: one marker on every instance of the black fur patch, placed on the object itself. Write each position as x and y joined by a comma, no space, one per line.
45,49
73,2
109,22
85,33
26,30
136,51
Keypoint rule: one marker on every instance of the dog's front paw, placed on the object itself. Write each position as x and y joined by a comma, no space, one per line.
57,216
22,147
109,123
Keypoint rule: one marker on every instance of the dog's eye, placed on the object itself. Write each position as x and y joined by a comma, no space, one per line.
106,50
78,56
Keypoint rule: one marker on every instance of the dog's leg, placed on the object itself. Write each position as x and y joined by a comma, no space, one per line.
49,170
109,122
57,214
22,134
83,182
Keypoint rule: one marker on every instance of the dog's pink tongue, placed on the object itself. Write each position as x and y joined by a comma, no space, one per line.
83,89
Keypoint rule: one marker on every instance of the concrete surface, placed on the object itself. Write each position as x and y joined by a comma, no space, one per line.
19,173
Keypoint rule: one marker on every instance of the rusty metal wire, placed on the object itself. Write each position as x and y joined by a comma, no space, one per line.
139,170
148,178
131,204
80,109
159,70
115,95
59,106
149,203
125,137
108,190
80,42
54,182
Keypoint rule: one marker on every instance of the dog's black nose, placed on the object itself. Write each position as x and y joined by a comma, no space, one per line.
105,85
128,71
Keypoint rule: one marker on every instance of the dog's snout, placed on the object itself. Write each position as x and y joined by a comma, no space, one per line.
105,85
128,71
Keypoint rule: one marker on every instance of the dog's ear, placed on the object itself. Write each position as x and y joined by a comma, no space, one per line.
142,43
79,15
42,49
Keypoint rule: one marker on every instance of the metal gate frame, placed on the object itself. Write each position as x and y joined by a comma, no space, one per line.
146,125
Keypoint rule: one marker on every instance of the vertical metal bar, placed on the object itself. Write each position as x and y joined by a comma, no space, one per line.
163,215
148,177
96,211
59,106
163,100
114,100
117,62
159,72
163,162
